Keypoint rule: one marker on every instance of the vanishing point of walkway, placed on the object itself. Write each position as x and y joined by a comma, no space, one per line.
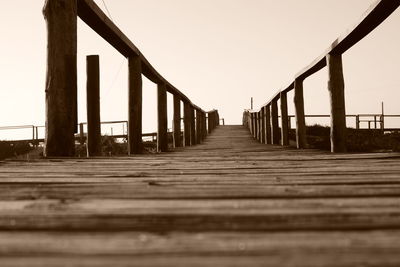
227,202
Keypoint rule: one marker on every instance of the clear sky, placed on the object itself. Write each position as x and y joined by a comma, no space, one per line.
218,52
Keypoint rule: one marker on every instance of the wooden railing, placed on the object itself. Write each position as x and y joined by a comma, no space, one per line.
266,118
61,85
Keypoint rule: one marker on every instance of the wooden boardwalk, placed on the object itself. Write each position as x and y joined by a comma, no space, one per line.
227,202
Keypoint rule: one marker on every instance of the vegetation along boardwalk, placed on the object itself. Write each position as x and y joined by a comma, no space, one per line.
229,201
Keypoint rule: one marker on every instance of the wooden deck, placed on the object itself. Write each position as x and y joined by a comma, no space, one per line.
227,202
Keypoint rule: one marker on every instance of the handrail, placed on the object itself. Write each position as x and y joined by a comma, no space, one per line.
61,85
332,58
95,18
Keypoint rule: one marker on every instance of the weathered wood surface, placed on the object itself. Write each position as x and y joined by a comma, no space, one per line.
61,78
230,201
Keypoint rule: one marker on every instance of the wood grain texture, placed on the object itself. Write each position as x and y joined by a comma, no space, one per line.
61,78
229,201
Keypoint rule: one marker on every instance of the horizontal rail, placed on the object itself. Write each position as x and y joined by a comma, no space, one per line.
95,18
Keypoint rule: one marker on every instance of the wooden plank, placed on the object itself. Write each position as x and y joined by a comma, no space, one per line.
61,78
135,100
209,249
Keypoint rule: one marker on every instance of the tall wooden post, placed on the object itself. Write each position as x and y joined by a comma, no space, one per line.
251,123
186,123
284,120
81,134
134,105
257,125
198,126
275,122
93,106
61,78
162,134
204,128
338,111
254,124
262,125
357,122
210,122
301,138
177,122
193,140
268,131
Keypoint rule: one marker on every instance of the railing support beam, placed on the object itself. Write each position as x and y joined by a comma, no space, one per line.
186,123
93,106
337,100
275,122
268,130
61,78
301,138
284,119
193,140
262,125
162,134
134,106
177,122
198,126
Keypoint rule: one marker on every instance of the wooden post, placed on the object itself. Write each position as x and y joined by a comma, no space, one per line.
251,123
186,123
177,122
254,125
257,125
210,122
268,131
301,138
37,136
284,120
162,134
338,112
193,140
357,122
262,125
81,134
135,106
275,122
61,78
198,126
204,125
93,106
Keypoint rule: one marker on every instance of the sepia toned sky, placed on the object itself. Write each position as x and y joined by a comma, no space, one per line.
218,52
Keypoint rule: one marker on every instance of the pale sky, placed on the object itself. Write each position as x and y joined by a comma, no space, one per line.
217,52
